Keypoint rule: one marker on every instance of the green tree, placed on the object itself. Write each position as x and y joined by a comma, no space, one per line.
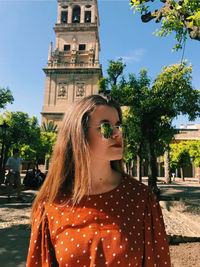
25,133
194,151
41,149
180,157
179,16
5,97
48,140
153,107
20,132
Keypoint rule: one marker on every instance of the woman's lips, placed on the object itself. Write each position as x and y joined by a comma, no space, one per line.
117,145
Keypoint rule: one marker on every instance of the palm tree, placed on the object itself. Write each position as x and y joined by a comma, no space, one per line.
49,127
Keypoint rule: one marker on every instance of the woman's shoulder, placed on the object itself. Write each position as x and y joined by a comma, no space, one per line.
135,185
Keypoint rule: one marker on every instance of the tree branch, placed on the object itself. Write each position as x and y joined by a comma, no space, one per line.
194,31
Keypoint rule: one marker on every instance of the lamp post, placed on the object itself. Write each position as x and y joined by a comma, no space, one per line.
3,126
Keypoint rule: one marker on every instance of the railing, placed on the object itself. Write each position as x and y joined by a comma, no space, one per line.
71,25
80,52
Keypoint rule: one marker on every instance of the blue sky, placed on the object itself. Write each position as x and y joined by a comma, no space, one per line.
26,30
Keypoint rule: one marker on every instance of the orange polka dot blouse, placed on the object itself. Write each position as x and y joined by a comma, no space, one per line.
123,227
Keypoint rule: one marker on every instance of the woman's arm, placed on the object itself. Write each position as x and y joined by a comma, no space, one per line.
41,251
156,242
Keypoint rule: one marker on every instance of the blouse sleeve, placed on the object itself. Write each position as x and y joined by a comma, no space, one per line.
41,251
156,242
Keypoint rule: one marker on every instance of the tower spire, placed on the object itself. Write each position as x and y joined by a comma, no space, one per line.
50,52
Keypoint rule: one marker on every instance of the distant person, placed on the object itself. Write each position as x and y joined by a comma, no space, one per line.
89,212
13,176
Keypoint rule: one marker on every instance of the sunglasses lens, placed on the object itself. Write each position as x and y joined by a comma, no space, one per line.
106,130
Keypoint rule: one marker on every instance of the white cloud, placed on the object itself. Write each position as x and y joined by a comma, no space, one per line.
134,56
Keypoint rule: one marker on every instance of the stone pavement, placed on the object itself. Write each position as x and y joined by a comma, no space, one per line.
180,204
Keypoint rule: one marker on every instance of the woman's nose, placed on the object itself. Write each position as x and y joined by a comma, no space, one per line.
116,132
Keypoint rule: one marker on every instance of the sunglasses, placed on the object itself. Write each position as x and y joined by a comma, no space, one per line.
107,129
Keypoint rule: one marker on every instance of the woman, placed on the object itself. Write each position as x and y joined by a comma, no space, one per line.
88,211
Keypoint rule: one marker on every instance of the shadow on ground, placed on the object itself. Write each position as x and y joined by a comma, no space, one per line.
14,243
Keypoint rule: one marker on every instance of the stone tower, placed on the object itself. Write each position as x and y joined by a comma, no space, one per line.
73,68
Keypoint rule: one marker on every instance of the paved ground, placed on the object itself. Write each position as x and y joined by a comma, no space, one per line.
180,205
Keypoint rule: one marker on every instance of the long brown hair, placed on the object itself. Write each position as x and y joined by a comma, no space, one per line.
69,168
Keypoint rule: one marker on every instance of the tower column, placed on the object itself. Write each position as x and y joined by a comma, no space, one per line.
70,14
82,14
59,15
93,14
97,53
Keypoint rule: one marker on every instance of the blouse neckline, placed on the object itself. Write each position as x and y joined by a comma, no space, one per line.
109,191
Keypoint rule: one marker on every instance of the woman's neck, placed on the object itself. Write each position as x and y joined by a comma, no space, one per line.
103,178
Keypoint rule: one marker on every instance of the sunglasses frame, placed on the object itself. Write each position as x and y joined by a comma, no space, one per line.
107,129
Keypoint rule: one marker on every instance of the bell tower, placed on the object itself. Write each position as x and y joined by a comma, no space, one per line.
73,68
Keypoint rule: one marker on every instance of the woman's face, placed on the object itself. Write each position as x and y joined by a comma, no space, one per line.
101,148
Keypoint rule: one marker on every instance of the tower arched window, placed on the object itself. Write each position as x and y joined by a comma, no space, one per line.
76,14
64,16
87,16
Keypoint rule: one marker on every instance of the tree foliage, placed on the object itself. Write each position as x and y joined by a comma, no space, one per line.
179,16
25,133
179,155
152,106
184,153
5,97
